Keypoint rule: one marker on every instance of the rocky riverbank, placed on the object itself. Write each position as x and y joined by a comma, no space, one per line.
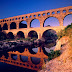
63,63
8,45
12,45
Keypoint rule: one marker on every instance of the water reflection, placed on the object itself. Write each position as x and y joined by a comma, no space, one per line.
14,56
35,49
23,58
10,68
35,60
48,49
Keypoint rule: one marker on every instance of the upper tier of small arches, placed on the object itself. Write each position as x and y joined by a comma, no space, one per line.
39,14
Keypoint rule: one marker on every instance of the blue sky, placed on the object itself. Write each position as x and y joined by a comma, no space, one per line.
9,8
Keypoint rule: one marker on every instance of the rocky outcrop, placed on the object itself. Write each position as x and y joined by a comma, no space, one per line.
61,42
63,63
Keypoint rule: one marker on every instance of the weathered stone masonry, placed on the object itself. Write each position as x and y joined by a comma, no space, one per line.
58,13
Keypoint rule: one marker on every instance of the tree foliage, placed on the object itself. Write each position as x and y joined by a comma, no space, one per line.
53,54
65,32
2,36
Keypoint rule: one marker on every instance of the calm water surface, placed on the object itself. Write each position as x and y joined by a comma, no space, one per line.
10,68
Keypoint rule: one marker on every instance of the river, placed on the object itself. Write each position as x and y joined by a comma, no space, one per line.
10,68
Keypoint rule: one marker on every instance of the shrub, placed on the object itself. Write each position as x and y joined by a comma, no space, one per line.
27,39
2,36
53,54
65,32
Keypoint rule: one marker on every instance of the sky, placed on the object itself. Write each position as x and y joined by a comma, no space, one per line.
10,8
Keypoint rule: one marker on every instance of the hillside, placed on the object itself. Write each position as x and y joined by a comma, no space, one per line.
63,63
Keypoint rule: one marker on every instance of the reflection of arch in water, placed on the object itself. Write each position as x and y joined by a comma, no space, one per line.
19,49
6,54
14,56
23,58
33,50
47,50
35,60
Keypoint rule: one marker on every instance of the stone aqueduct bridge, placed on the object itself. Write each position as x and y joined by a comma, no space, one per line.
59,13
41,16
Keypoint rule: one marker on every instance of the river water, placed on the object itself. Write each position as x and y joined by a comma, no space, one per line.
10,68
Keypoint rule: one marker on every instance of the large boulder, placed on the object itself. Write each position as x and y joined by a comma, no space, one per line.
61,42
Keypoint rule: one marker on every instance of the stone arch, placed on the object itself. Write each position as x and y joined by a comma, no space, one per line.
20,34
50,31
50,37
35,23
70,10
67,20
51,19
10,35
23,24
33,34
5,26
13,25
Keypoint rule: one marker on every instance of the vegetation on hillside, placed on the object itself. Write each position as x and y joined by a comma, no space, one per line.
53,54
65,32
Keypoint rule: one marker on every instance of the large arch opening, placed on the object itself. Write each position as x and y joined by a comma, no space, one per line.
13,25
34,23
33,34
50,37
23,24
10,35
20,34
5,27
67,20
51,21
